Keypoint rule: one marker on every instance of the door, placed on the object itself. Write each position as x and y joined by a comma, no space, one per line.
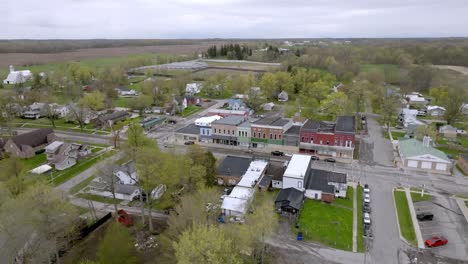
426,165
441,166
412,163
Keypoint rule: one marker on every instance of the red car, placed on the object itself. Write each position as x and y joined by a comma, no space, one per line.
436,241
124,218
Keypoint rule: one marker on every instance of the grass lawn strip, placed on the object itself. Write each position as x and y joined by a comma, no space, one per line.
328,224
81,185
404,217
191,109
417,197
98,198
360,223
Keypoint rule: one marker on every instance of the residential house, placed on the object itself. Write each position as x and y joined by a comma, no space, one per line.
408,116
434,110
26,145
225,130
325,185
236,104
192,100
291,136
125,91
416,99
188,133
126,173
268,106
193,88
65,155
448,131
16,77
108,120
283,96
276,170
463,163
328,138
417,155
225,113
231,170
35,111
206,131
60,111
295,174
180,102
269,130
289,201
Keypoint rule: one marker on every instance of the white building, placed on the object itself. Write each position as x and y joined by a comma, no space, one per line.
193,88
434,110
416,99
15,77
237,203
295,173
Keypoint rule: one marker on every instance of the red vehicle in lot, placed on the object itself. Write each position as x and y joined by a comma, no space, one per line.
436,241
124,218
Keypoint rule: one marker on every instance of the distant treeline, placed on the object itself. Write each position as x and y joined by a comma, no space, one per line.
54,46
230,51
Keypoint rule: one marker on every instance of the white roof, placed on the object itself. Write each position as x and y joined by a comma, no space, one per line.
415,98
234,204
207,120
253,173
41,169
225,111
297,166
240,192
432,107
53,146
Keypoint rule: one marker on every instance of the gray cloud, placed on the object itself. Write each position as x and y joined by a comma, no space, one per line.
232,18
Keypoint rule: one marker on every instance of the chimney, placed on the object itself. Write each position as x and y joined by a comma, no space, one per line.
427,141
12,69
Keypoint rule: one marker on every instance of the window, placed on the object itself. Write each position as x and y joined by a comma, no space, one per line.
271,136
299,184
307,139
275,136
255,134
321,142
264,135
233,132
312,140
302,139
224,131
328,142
215,130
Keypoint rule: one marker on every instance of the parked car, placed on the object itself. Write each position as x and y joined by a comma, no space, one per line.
189,143
315,158
366,198
367,219
124,218
436,241
366,188
366,208
367,231
425,216
236,219
227,191
277,153
172,121
331,160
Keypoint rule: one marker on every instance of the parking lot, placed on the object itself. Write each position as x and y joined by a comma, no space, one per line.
449,222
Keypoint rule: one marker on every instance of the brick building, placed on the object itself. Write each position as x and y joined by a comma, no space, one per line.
269,131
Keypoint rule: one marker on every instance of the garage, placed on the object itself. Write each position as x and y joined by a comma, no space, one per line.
441,166
426,165
412,163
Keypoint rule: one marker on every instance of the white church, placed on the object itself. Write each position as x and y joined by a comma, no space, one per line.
15,77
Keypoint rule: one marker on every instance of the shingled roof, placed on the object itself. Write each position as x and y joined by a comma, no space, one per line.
34,138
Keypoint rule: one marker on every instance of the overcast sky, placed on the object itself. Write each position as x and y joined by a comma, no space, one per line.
50,19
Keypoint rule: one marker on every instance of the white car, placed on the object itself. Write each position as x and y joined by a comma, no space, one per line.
366,198
367,218
366,188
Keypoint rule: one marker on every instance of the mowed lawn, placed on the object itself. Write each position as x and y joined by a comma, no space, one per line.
328,224
404,217
416,197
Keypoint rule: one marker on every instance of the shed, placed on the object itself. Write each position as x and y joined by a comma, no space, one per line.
289,201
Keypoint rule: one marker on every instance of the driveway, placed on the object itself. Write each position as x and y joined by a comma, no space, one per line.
449,222
374,149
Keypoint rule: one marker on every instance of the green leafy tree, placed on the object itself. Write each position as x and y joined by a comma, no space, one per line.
117,246
335,104
440,95
210,164
93,100
422,131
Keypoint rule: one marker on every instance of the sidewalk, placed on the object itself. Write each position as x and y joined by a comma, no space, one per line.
463,208
417,230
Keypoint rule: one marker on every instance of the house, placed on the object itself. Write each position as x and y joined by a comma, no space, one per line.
283,96
180,102
193,88
236,104
108,120
275,170
269,130
230,171
448,131
35,111
188,133
329,138
434,110
416,99
204,123
126,173
408,116
295,174
268,106
65,155
125,91
16,77
26,145
192,100
325,185
60,111
463,163
417,155
238,201
289,201
225,130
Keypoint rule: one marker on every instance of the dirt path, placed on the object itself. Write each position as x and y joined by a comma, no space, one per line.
460,69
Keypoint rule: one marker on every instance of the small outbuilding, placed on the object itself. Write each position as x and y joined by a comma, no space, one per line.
289,201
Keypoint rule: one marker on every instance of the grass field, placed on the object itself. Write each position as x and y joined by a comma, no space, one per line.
404,217
190,110
99,198
328,224
450,151
360,224
395,135
416,197
81,185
